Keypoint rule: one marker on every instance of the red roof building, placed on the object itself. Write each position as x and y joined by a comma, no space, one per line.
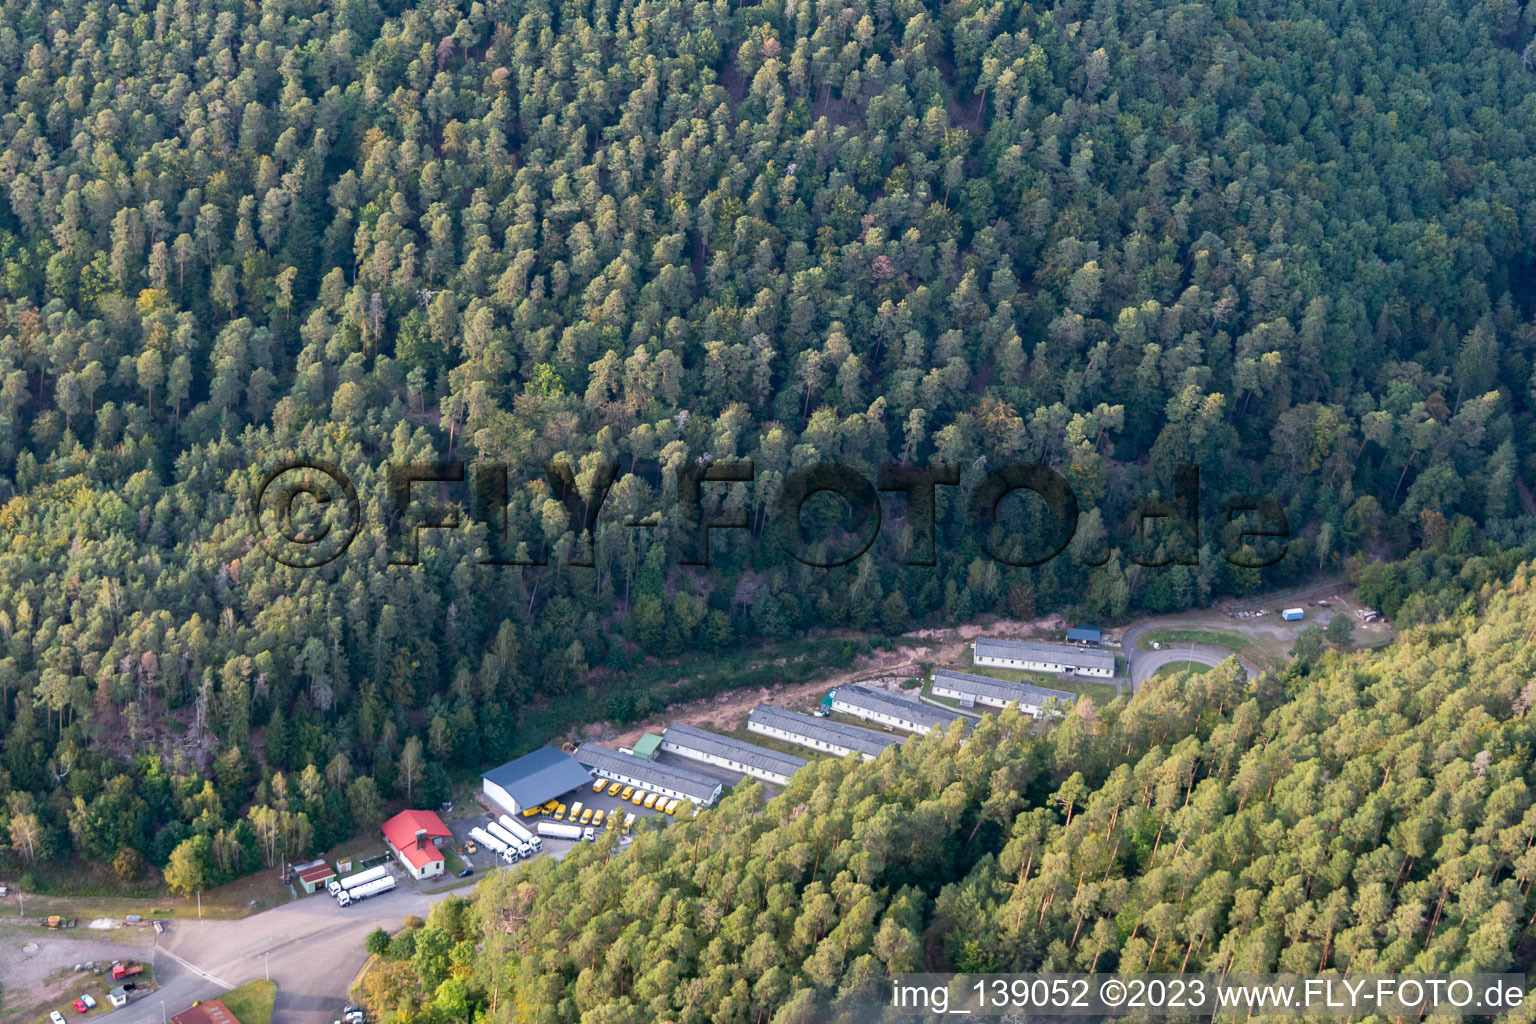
414,838
209,1011
313,874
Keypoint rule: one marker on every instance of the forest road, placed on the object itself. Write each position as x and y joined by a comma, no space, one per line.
1144,662
312,947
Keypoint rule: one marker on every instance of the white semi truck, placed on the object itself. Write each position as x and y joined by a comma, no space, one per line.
521,848
490,842
367,889
517,828
356,879
575,833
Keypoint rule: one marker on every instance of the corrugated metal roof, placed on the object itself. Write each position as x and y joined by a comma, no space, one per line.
665,776
887,703
1087,634
1054,654
865,741
1000,689
646,745
733,749
540,776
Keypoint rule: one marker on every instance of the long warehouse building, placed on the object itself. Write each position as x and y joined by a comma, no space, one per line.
670,781
819,733
970,690
727,752
1062,659
874,705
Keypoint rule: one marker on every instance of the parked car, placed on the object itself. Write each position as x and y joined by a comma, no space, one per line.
629,791
466,872
55,1017
85,1004
599,785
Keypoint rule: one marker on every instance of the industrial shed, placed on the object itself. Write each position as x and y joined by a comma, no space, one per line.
533,779
670,781
1062,659
726,752
819,733
874,705
970,689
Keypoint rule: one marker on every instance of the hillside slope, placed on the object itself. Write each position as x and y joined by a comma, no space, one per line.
1377,818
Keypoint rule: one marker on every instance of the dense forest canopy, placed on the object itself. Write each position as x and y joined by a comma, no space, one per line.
1289,243
1366,814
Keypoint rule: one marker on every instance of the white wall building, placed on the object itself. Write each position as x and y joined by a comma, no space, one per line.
821,734
533,779
726,752
971,690
884,707
1062,659
666,779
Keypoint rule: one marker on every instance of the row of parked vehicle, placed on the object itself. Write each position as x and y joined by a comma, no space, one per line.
594,816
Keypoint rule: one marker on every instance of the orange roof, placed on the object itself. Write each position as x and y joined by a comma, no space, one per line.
317,873
400,831
209,1011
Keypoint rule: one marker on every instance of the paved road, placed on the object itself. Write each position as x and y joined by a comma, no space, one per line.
1145,662
312,947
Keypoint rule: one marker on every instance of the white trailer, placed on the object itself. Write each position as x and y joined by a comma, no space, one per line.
490,842
356,879
555,830
364,877
514,843
367,889
517,828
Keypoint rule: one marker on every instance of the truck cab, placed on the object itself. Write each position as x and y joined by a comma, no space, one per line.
589,834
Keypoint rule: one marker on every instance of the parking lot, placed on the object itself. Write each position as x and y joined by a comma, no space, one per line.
608,802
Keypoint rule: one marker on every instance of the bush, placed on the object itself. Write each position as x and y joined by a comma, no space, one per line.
403,945
377,942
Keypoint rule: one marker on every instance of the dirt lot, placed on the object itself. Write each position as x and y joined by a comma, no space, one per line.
35,964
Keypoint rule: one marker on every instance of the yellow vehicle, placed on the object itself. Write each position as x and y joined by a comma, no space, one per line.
629,791
598,786
629,822
532,812
597,818
559,812
575,811
549,808
650,799
586,817
671,807
639,797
